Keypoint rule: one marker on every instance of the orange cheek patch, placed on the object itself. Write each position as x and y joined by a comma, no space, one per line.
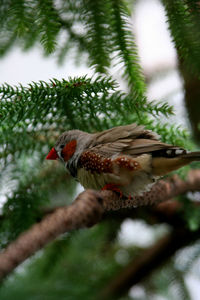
69,150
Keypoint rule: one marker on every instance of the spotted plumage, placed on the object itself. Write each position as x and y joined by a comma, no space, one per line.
129,157
127,163
95,163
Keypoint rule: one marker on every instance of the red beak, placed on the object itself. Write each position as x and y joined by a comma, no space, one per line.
52,154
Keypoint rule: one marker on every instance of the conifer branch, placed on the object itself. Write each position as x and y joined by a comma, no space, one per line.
86,211
182,18
124,44
95,15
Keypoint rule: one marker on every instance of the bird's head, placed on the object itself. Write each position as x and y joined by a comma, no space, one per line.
70,146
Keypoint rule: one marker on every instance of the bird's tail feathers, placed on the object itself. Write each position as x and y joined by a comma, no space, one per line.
163,165
191,156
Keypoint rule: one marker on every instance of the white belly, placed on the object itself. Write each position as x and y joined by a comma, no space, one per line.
140,182
93,180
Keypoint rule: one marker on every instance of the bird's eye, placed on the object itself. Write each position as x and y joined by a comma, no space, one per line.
62,146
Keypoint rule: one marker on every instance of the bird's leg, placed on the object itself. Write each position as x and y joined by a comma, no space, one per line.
130,197
113,187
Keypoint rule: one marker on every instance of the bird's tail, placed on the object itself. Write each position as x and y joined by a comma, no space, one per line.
191,156
163,165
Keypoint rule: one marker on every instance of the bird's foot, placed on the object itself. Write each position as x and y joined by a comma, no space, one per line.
130,197
113,187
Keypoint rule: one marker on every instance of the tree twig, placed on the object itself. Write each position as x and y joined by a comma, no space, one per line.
86,211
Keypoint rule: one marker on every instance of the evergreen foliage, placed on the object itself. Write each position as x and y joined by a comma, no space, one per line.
183,17
79,264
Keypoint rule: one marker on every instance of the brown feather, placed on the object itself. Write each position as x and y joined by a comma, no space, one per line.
132,131
131,147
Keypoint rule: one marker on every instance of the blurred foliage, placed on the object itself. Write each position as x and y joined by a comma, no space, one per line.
71,267
78,265
183,19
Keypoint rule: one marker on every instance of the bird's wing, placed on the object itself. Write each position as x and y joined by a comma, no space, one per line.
132,131
123,151
130,140
134,148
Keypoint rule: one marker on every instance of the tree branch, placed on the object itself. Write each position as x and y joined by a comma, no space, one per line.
191,97
162,191
86,211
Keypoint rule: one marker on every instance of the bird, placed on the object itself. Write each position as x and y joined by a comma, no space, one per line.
126,159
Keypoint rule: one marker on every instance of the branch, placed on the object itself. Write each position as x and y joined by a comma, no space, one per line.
85,211
162,191
191,96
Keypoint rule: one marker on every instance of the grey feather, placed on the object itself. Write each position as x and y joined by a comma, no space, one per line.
131,131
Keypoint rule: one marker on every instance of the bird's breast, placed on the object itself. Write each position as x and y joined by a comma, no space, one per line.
92,180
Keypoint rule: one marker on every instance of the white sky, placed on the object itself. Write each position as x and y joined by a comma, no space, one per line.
152,36
19,67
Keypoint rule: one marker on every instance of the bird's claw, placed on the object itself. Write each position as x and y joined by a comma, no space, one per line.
113,187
